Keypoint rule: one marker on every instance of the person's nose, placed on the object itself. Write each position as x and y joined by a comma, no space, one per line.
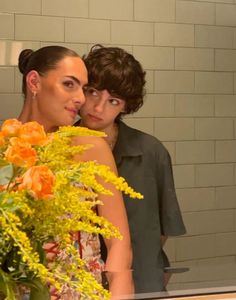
99,106
79,99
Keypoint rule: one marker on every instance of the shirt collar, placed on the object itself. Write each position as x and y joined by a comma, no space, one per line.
128,143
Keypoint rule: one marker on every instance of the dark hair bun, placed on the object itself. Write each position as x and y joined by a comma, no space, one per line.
24,59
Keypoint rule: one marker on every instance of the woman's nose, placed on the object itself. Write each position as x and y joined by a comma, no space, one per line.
79,99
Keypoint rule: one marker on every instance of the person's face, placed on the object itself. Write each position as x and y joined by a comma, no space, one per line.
100,109
61,94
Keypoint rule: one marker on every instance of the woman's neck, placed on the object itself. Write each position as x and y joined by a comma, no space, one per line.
27,115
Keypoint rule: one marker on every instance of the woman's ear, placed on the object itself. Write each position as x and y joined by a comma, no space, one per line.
33,81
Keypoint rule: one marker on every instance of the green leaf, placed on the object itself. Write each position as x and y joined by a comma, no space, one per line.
7,285
6,173
39,291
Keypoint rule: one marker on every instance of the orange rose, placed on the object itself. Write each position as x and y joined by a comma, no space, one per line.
2,187
20,154
11,127
2,139
38,180
33,133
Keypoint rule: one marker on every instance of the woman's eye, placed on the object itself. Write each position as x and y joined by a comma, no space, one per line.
69,83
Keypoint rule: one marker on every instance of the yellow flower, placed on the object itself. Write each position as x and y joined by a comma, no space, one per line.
11,127
44,168
38,181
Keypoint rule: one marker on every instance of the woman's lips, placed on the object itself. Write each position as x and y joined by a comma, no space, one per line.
72,111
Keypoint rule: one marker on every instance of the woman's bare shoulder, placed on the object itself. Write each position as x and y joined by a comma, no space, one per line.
100,150
92,140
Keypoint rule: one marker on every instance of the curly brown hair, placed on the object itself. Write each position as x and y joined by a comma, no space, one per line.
117,71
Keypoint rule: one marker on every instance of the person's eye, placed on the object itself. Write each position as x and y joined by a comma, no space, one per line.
114,102
69,83
89,91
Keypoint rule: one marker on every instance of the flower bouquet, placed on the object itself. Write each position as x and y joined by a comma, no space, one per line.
45,195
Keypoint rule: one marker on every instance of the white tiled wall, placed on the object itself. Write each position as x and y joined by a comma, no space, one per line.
188,48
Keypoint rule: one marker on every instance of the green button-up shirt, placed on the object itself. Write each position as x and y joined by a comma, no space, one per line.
146,165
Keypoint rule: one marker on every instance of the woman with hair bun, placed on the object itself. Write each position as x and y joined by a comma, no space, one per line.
54,78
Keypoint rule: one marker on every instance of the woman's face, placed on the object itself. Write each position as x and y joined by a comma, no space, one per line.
60,94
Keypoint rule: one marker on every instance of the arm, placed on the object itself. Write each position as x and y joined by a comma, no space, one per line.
119,253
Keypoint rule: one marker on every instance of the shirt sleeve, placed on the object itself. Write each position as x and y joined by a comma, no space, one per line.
170,215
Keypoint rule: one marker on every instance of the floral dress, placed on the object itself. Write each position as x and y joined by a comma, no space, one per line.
88,246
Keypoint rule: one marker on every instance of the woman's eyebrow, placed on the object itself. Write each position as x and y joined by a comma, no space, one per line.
74,78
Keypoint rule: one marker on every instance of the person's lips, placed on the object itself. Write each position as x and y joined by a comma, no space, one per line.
73,111
94,118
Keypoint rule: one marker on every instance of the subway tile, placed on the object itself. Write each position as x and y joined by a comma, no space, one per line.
226,151
6,79
214,221
69,8
128,48
184,176
170,146
208,175
195,12
23,6
6,26
80,48
155,57
225,244
87,31
225,60
213,36
143,124
36,28
225,197
218,1
174,129
225,15
216,261
154,10
195,247
208,274
204,284
135,33
174,82
187,105
149,77
193,152
11,105
174,35
214,82
157,105
17,80
234,38
194,59
234,74
225,105
214,128
10,50
196,199
111,9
